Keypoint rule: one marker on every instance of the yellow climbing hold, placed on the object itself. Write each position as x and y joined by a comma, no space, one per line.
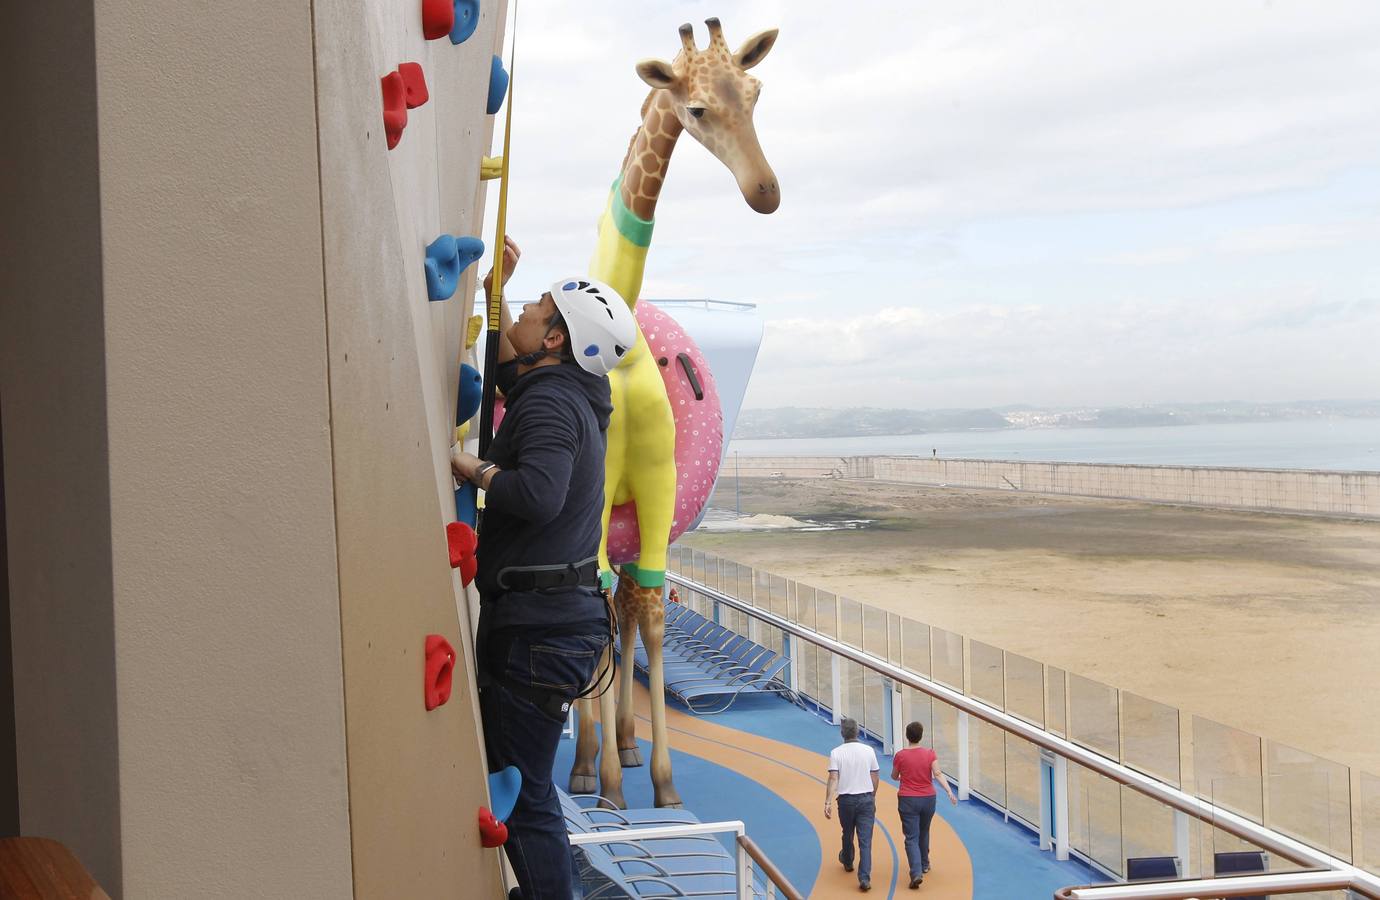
490,167
472,331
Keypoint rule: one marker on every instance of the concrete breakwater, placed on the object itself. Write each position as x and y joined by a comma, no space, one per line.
1313,491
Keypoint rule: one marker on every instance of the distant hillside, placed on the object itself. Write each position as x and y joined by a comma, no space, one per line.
800,422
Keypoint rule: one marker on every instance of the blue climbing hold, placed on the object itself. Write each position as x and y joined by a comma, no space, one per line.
569,286
592,350
498,86
471,391
446,258
466,20
503,791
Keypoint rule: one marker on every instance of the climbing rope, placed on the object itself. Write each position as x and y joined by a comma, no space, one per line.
486,405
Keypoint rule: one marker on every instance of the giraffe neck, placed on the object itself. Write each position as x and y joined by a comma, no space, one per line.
644,168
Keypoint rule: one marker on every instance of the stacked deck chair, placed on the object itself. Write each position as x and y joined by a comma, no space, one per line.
707,666
692,866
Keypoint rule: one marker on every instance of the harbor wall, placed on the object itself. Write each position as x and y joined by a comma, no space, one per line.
1311,491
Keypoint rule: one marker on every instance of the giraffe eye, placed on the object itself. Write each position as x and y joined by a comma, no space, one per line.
695,111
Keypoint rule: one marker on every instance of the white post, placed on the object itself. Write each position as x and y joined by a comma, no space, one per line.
794,650
744,874
1046,801
898,717
963,756
1061,808
836,671
1182,848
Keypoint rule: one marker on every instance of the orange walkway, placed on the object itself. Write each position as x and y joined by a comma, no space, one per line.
798,777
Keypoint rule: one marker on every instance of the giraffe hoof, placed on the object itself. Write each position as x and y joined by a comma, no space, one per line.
613,799
583,784
630,758
668,799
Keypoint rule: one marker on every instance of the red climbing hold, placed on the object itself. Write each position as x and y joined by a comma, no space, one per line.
394,108
461,540
440,663
414,84
492,833
438,18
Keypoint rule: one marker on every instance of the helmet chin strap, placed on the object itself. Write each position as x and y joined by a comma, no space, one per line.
528,359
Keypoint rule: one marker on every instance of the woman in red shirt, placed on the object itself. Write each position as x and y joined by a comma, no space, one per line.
917,769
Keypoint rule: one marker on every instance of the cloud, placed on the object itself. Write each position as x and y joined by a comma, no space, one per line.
1011,201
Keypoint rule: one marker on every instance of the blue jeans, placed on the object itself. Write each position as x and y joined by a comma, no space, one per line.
916,815
518,733
858,812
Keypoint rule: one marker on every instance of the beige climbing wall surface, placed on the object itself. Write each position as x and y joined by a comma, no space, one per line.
416,778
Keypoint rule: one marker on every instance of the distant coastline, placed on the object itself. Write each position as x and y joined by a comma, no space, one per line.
1332,444
865,421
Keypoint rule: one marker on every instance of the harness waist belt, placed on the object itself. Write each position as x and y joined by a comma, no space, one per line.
542,578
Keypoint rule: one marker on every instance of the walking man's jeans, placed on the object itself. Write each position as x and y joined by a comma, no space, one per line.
916,815
517,733
858,812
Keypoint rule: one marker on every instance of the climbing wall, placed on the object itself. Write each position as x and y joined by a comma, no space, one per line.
416,776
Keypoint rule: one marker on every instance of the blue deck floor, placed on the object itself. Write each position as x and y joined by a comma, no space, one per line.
1006,859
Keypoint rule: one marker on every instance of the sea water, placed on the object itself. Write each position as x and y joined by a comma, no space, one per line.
1337,444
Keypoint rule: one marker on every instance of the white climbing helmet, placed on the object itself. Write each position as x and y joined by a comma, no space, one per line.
602,328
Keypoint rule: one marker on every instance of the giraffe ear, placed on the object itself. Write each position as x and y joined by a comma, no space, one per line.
755,48
657,73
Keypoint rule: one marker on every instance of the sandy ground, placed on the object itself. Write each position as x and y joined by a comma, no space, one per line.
1267,623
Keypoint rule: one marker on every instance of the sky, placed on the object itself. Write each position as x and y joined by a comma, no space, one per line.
987,204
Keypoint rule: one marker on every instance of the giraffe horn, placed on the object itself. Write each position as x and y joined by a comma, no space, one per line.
687,38
716,33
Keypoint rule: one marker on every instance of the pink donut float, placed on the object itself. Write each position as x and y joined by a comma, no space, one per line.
699,429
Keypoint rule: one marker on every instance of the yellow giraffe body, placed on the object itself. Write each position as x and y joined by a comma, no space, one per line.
708,93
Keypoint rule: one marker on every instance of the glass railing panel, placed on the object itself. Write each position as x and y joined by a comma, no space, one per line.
1023,780
986,674
826,614
1227,768
712,571
853,703
1150,737
876,711
1308,798
1095,818
808,676
893,639
850,622
916,706
874,631
1093,721
697,565
1368,801
915,647
987,760
1056,700
946,657
778,591
1025,688
761,585
728,580
1147,826
945,733
805,609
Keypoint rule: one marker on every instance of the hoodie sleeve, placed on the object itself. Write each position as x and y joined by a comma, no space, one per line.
547,439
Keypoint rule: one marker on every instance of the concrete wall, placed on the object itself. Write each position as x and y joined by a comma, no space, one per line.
1280,490
227,412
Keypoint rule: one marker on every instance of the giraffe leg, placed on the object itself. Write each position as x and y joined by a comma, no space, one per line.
653,625
582,773
628,753
610,772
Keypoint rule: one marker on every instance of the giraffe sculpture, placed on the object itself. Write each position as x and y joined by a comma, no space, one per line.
709,94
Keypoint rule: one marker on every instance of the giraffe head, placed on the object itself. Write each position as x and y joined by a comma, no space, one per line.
713,96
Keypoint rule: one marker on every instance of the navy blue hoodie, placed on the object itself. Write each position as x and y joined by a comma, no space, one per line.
545,505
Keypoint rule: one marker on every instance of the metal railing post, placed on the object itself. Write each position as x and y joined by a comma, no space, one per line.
898,717
1182,848
744,874
794,652
962,755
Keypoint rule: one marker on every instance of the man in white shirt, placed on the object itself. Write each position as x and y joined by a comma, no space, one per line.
853,777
